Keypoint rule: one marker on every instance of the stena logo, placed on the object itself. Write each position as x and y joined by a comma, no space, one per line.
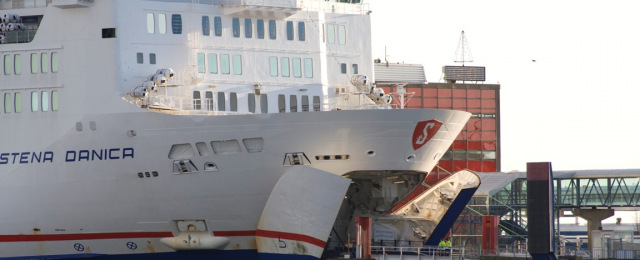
425,130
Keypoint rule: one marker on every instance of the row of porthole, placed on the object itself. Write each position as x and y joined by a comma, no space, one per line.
147,174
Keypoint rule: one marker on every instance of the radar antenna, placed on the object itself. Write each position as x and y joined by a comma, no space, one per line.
463,53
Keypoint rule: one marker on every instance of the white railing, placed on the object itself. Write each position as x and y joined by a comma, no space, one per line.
269,3
19,4
418,253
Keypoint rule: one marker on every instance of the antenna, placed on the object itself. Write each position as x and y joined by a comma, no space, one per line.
463,53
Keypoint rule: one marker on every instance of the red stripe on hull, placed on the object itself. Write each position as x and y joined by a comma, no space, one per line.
85,236
291,236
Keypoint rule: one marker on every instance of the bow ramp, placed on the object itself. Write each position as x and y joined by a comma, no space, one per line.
299,214
429,216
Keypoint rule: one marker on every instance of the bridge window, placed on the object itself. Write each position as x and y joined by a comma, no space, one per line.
331,33
272,29
237,64
152,58
140,57
217,26
44,65
264,104
301,31
342,35
54,62
297,68
45,101
293,103
316,103
260,28
308,68
273,66
162,23
248,28
213,63
181,151
203,150
224,63
201,64
290,30
251,98
206,30
236,27
34,101
221,102
7,64
284,67
226,147
233,101
35,64
305,103
54,100
281,103
151,27
176,23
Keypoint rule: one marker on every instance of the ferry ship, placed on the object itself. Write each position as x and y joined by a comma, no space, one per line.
217,129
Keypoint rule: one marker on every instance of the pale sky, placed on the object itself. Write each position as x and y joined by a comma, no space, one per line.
577,106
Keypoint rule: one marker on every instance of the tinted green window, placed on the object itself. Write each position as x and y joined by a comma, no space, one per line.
273,66
7,64
308,68
44,66
17,101
331,33
151,27
225,64
17,63
7,103
237,64
54,62
343,68
54,100
284,67
162,23
297,68
201,65
140,57
176,23
34,101
35,66
342,34
45,101
206,30
152,58
213,63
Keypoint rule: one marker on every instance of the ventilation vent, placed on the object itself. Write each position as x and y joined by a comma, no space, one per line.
332,157
184,166
296,159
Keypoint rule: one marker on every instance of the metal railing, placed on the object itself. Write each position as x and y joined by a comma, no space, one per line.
412,252
18,4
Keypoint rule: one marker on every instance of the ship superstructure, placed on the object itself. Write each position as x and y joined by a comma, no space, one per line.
183,128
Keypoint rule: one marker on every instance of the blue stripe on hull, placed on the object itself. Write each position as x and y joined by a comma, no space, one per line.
450,217
188,255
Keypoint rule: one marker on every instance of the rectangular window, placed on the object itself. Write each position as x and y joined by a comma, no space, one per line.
273,66
305,103
281,103
342,35
206,26
152,58
290,30
44,66
162,23
140,57
284,67
35,65
197,100
354,68
264,104
225,64
236,27
213,63
7,64
331,33
201,63
297,68
316,103
251,99
233,101
176,23
7,103
343,68
237,64
151,26
17,63
34,101
248,28
17,101
54,100
208,99
217,26
293,103
45,101
301,31
54,62
308,68
260,28
222,106
272,29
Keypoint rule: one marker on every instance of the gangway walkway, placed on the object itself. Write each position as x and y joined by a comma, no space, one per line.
416,253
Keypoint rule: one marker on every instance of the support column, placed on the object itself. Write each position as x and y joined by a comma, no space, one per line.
594,219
